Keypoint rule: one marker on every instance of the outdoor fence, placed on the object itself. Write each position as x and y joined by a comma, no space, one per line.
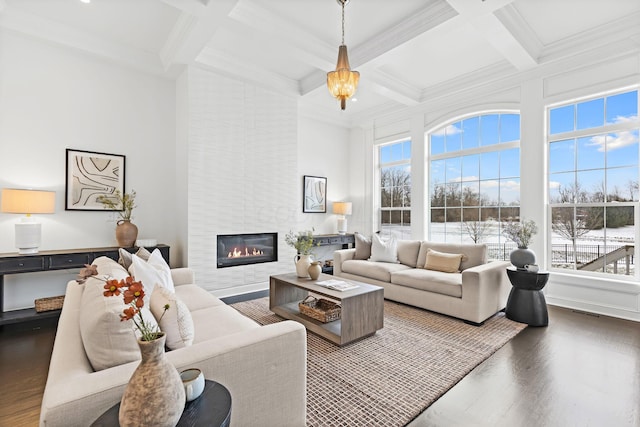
562,255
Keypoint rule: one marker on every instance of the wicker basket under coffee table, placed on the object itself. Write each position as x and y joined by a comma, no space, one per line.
362,308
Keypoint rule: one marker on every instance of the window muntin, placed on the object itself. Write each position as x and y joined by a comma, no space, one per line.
594,154
474,180
395,188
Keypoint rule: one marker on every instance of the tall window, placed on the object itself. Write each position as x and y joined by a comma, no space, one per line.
593,183
395,188
474,180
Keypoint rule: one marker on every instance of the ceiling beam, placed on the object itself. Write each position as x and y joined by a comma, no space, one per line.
230,66
193,30
482,17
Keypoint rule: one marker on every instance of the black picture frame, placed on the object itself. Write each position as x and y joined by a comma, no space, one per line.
314,194
91,174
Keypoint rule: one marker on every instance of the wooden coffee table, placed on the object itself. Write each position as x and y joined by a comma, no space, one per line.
362,308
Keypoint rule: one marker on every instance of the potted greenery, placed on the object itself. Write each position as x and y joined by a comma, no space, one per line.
303,243
521,233
126,231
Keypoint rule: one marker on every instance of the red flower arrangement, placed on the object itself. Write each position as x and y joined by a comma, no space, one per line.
133,295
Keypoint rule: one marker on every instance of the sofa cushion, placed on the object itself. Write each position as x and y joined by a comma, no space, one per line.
476,254
408,252
196,298
107,340
363,246
176,322
218,321
371,269
384,250
442,261
429,280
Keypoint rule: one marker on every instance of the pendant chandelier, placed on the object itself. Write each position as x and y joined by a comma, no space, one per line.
342,82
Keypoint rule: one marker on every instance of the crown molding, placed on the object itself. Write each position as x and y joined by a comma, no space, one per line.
392,88
620,31
177,38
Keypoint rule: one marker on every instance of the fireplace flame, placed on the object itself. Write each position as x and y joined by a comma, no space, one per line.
237,253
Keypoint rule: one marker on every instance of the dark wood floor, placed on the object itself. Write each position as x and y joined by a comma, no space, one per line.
582,370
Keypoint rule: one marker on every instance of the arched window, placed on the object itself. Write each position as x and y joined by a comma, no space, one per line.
474,180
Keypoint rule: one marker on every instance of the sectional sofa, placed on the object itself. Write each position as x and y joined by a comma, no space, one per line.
263,367
474,292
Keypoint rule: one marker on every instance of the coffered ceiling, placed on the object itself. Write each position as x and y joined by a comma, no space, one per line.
406,50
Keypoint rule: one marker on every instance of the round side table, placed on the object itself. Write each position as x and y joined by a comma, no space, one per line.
526,303
212,408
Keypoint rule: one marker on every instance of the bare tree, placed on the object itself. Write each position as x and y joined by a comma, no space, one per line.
573,223
476,229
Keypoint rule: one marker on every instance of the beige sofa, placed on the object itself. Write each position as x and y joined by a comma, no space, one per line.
474,294
263,367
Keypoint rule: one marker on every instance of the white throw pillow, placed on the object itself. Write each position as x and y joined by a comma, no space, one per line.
384,251
107,340
176,323
153,272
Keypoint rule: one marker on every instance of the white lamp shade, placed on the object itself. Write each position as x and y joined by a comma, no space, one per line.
342,208
27,201
28,230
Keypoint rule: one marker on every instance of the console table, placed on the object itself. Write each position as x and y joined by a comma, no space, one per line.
14,263
334,239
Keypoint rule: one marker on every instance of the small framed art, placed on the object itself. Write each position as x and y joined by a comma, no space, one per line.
90,175
314,194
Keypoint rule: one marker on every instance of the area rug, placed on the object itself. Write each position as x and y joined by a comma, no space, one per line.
391,377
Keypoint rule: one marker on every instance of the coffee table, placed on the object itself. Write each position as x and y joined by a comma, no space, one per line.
362,308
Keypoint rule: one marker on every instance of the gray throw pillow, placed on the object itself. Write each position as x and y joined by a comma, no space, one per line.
363,246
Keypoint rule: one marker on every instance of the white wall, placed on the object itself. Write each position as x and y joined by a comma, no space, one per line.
53,98
247,153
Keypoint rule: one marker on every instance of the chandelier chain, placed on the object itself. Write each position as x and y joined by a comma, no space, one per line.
342,22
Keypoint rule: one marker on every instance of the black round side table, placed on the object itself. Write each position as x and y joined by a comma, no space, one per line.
526,303
212,408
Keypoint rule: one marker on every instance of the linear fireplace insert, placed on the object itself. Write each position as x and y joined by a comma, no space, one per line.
244,249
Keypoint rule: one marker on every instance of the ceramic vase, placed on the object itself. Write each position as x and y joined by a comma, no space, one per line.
521,257
126,233
314,270
155,394
302,265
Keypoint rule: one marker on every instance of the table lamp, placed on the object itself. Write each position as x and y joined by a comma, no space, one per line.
28,230
342,209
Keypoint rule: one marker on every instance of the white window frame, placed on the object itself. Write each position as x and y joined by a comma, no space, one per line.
575,135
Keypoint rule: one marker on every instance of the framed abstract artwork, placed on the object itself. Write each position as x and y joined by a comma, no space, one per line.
90,175
314,194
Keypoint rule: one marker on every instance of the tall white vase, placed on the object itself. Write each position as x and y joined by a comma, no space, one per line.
302,265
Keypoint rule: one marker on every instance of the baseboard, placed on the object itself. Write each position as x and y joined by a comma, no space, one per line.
245,297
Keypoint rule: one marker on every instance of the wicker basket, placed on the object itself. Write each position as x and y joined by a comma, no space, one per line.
48,304
320,309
